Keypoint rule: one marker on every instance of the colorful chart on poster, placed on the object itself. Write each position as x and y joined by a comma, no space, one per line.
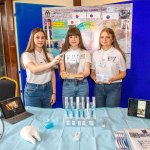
90,20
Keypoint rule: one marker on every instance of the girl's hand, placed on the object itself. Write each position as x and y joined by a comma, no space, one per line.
110,80
64,75
53,99
80,76
56,60
98,82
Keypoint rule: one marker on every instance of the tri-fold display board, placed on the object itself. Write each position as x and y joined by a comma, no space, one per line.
90,20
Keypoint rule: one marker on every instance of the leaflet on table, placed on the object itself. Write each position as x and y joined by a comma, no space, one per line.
139,137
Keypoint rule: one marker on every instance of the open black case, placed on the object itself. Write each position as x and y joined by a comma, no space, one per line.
139,108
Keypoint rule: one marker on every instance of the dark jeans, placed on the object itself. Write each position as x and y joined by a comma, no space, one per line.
108,95
38,95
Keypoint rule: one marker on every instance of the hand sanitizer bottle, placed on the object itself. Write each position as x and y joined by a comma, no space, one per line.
77,103
94,110
93,103
67,120
82,112
66,103
72,112
71,103
82,103
78,112
87,103
87,108
82,108
66,107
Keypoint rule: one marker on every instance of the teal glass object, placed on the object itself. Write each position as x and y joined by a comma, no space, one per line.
49,125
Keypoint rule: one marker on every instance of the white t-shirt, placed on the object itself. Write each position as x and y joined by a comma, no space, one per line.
75,60
108,64
37,58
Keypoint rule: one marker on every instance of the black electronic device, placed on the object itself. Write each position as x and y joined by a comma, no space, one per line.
139,108
13,110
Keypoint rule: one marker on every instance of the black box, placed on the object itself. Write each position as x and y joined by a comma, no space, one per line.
139,108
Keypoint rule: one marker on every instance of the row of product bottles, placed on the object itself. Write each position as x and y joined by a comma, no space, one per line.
81,112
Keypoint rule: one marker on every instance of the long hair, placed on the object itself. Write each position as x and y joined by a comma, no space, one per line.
31,45
114,43
73,31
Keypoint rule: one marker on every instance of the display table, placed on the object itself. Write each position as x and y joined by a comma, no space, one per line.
62,138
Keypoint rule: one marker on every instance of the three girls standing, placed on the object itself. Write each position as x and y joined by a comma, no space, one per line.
108,69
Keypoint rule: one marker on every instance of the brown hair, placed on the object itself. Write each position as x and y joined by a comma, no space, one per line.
114,43
31,45
71,32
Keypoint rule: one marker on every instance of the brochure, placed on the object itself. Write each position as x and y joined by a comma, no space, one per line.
139,138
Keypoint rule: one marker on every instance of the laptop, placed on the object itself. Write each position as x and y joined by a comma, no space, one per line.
13,110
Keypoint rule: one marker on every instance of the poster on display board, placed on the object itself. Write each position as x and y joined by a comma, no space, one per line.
90,20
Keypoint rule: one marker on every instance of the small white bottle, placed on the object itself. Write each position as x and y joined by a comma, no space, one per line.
87,103
67,120
73,119
93,103
77,103
66,107
94,110
78,112
82,103
71,103
66,103
82,112
72,112
87,108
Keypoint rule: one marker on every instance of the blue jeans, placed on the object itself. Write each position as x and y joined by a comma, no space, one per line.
75,88
38,95
108,95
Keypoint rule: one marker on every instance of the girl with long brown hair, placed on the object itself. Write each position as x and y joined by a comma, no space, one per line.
75,66
40,89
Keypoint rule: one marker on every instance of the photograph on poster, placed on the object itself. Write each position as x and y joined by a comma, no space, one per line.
124,14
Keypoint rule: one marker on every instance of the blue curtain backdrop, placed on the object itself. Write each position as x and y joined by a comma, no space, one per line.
137,82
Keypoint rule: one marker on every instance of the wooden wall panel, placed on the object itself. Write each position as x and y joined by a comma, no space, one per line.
2,1
5,40
76,2
9,44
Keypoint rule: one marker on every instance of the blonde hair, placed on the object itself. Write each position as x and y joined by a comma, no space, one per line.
71,32
114,43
